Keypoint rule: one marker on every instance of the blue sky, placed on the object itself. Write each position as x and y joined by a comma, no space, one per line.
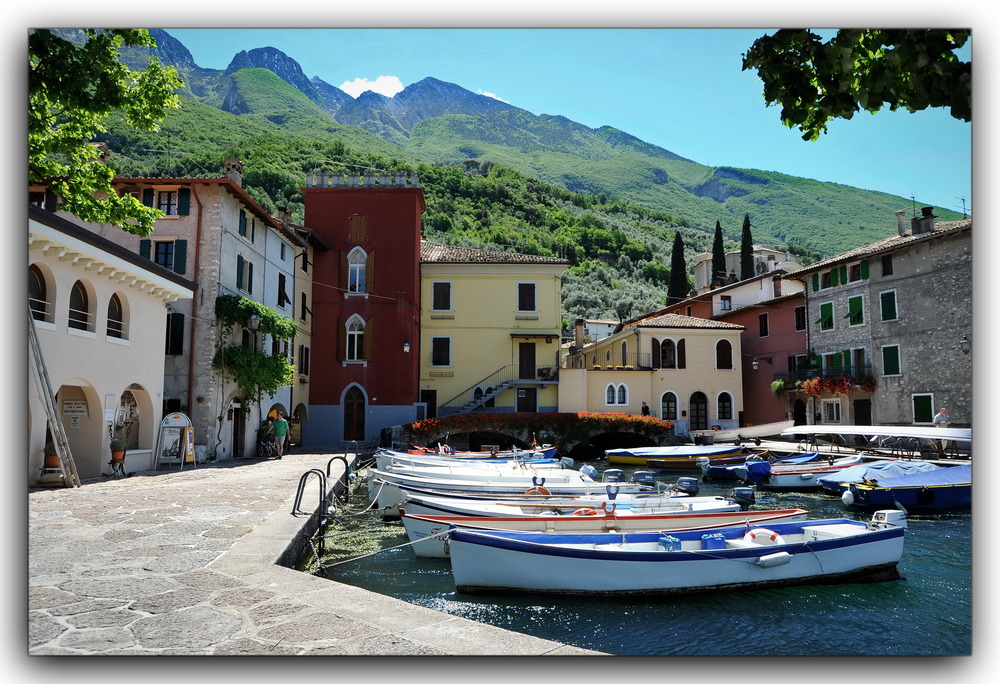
681,89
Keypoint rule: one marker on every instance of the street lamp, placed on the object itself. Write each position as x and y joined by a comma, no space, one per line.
406,347
253,323
965,344
755,364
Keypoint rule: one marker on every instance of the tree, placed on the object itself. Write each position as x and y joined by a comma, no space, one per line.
718,257
679,286
815,82
72,89
746,250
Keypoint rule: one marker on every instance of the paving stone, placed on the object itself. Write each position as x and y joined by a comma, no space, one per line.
97,640
195,627
43,628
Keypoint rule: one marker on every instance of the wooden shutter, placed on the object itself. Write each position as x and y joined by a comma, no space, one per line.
175,334
656,353
888,306
815,281
145,247
147,197
843,274
180,256
834,279
249,277
370,273
183,201
243,223
368,339
864,270
681,353
239,271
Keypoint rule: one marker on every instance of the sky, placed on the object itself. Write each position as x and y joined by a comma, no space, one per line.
681,89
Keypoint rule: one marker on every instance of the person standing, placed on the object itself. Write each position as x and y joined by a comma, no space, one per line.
645,409
280,430
941,420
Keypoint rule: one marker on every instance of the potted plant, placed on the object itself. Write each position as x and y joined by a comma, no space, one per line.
117,448
51,455
778,387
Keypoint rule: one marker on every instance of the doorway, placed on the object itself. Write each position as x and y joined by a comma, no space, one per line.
526,360
527,400
239,429
699,412
354,415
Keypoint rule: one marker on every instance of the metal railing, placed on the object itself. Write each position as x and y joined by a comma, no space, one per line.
851,372
500,380
634,361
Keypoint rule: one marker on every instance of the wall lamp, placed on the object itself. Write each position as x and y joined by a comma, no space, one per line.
406,347
253,323
965,344
755,364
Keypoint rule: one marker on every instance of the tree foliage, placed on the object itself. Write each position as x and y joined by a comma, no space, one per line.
718,257
816,81
746,250
679,285
71,91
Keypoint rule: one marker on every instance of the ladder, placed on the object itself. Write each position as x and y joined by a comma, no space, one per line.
66,463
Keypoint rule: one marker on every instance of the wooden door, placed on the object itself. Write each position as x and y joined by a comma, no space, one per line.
354,415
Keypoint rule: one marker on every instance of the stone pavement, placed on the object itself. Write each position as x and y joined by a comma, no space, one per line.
190,562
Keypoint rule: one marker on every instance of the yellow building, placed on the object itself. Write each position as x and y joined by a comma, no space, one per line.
686,369
490,327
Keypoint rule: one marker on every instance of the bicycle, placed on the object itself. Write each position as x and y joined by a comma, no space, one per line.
265,446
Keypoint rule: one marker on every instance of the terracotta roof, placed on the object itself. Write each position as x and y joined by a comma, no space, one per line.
941,229
431,252
680,321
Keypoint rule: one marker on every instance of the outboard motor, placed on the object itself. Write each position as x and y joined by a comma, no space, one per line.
744,496
589,471
643,477
567,462
687,485
703,463
613,475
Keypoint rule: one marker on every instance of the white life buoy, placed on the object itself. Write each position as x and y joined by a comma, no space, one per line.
760,535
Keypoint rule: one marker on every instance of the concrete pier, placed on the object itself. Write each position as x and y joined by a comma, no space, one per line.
194,562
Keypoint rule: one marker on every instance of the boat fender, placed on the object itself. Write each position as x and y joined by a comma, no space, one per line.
585,511
847,497
537,490
773,559
761,535
925,497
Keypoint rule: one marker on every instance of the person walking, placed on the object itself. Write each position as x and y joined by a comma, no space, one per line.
280,430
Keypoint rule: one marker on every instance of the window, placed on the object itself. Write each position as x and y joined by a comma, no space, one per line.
800,318
887,265
688,310
858,271
831,410
526,297
304,309
668,406
358,227
762,324
244,274
175,334
725,406
923,408
624,349
855,310
825,321
38,299
616,395
355,339
668,354
357,261
247,226
282,297
170,254
441,296
116,318
724,355
890,360
166,201
281,252
826,280
172,202
303,360
79,308
440,351
887,303
726,302
622,394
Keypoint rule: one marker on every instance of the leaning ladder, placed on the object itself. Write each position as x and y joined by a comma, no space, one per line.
66,463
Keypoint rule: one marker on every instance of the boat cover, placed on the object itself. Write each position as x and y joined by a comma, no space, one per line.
676,451
878,470
949,475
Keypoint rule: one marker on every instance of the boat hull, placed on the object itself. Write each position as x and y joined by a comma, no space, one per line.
928,498
512,562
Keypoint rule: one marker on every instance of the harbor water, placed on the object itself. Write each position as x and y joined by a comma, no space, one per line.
927,612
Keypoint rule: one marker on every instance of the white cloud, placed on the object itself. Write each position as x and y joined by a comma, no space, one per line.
384,85
495,97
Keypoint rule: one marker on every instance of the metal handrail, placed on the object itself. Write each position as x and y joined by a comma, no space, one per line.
296,507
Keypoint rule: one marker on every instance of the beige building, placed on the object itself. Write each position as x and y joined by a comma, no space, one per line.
490,330
100,315
686,369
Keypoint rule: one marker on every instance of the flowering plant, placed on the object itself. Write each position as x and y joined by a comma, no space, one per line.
838,385
812,387
868,384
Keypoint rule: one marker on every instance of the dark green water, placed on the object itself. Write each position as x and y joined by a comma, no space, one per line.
929,612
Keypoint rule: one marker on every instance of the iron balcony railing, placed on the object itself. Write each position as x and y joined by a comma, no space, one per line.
638,361
498,381
850,372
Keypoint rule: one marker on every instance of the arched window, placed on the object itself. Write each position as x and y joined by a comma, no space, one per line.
725,406
622,394
610,395
357,262
355,339
668,354
698,411
79,307
38,298
724,355
116,318
624,353
607,357
668,406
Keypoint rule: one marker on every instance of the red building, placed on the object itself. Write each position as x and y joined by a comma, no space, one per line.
365,308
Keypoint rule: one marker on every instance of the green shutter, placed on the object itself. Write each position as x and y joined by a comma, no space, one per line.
834,281
888,300
180,256
184,201
243,224
923,412
825,316
815,281
843,275
249,277
890,360
147,197
854,307
144,248
239,271
864,270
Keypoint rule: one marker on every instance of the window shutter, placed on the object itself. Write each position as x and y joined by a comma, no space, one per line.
369,339
180,256
815,281
370,273
175,334
342,347
834,278
184,201
144,248
243,223
344,266
890,360
843,274
656,353
249,277
239,271
888,306
864,270
681,354
147,197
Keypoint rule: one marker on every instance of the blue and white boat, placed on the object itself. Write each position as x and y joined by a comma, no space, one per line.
723,559
837,483
797,473
949,487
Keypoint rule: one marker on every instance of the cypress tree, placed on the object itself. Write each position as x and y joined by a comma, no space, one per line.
746,251
718,258
679,286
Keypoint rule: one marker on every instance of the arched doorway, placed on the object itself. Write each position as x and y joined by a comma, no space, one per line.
698,409
354,414
799,412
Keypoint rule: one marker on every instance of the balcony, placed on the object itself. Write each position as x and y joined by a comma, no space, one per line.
855,373
635,361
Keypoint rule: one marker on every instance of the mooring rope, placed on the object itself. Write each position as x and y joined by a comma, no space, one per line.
442,533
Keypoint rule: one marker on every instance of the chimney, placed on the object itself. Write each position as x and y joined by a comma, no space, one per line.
234,170
924,223
284,215
901,223
578,338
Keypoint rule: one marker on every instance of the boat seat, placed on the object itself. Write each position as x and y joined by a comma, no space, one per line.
740,544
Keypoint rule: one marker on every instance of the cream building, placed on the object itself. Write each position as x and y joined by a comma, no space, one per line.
490,330
686,369
100,314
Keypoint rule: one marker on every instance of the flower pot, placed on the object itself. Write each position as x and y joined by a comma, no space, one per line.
51,461
118,456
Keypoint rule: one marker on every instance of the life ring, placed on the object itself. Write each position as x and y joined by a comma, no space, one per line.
925,497
537,490
762,535
584,511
